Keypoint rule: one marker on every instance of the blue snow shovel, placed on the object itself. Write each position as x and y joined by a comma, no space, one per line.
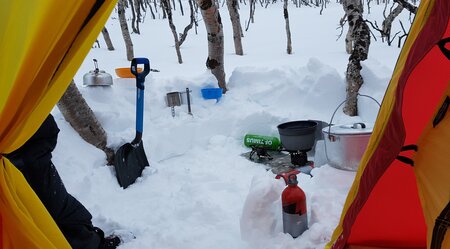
130,159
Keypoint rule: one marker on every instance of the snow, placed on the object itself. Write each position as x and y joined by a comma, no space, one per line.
199,192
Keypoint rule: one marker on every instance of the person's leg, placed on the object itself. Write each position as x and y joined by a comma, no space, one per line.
70,215
33,159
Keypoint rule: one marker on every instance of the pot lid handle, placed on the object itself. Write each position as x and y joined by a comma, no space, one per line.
96,66
355,125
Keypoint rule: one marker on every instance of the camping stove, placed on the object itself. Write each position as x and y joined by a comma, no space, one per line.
296,137
261,153
299,158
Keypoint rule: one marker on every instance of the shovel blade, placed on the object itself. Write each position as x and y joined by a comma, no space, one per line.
129,162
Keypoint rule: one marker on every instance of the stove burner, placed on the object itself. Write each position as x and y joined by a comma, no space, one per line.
299,158
260,152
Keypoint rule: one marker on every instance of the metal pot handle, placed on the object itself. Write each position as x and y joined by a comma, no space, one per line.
333,138
354,96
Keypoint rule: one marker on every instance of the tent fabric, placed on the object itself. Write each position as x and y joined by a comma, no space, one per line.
433,182
43,44
383,208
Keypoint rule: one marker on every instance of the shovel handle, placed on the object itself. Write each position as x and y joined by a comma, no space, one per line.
140,77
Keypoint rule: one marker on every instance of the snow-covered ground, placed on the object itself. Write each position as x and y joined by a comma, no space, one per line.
199,192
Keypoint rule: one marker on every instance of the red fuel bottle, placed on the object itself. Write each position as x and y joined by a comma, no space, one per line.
293,199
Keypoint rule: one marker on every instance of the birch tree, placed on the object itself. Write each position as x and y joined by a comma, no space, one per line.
288,29
353,10
134,21
179,39
137,6
213,23
107,38
80,116
387,23
252,13
168,9
411,8
236,24
124,28
360,38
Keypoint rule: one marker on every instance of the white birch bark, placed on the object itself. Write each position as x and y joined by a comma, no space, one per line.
353,9
167,7
357,44
387,23
125,31
107,38
288,29
80,116
236,24
213,23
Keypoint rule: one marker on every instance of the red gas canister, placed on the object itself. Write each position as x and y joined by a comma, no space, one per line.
293,199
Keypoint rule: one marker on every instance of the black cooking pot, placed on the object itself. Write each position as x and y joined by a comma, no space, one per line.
298,135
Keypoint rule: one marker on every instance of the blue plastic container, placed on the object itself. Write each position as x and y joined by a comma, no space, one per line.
212,93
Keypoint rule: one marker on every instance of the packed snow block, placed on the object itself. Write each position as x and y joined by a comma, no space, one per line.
261,215
320,158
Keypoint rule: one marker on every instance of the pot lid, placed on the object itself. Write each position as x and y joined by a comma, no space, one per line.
96,72
349,129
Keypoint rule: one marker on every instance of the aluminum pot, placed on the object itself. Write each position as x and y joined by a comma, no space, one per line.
345,144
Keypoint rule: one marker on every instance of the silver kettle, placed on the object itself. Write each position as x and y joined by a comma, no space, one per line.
97,77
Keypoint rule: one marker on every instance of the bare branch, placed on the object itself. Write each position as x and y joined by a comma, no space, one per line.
406,5
373,35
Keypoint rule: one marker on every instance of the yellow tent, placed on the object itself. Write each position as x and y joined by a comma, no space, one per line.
400,195
43,43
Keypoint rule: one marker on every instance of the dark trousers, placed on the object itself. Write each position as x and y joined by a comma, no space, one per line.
33,159
69,214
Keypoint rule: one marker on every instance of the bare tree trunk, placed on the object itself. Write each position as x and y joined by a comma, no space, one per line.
137,6
179,38
195,6
173,4
354,10
288,29
151,12
163,10
125,31
156,6
213,23
252,13
133,18
168,9
80,116
236,24
387,23
368,6
360,52
108,41
181,7
191,23
349,41
252,10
